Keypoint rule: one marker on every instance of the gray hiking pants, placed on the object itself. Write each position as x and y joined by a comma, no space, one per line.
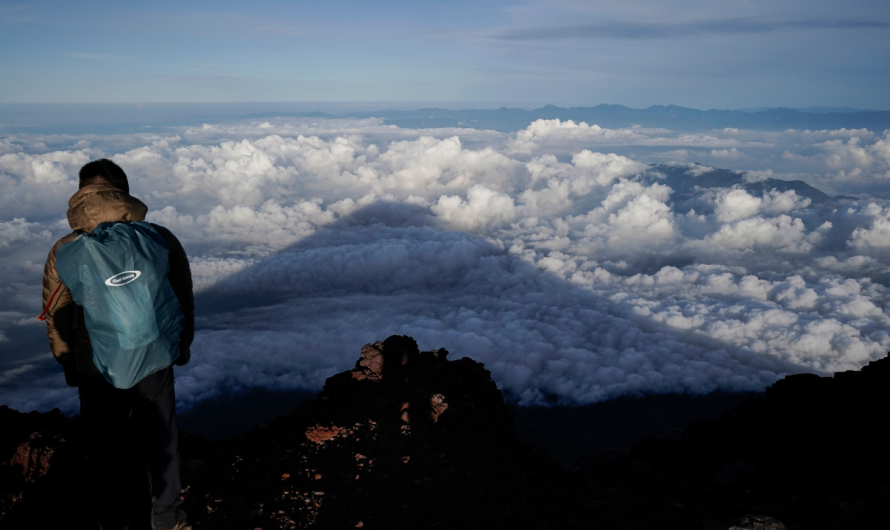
150,406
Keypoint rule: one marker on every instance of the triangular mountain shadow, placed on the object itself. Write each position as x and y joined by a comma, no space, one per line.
228,295
260,285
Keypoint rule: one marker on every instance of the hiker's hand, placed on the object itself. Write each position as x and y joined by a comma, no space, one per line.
184,356
72,376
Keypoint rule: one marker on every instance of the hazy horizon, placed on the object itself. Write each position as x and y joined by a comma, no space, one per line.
352,106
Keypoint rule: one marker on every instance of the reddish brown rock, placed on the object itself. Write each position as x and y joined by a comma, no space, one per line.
320,435
406,417
438,404
370,365
34,456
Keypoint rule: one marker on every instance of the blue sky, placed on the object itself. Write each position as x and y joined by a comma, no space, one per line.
703,54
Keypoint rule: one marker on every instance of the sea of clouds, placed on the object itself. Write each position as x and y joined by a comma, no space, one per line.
554,255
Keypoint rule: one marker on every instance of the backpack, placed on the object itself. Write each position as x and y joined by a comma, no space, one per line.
118,274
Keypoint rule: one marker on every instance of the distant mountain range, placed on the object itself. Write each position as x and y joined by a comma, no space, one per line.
124,119
616,116
683,180
814,109
127,119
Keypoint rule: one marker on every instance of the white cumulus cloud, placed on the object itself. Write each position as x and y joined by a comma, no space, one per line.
556,255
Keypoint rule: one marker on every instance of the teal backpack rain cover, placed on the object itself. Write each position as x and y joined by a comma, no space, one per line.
118,274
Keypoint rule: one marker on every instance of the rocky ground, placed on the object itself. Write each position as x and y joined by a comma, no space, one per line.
411,439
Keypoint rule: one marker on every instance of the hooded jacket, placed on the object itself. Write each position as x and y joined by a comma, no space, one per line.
95,203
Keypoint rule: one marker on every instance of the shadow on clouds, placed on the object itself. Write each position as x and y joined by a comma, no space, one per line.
301,314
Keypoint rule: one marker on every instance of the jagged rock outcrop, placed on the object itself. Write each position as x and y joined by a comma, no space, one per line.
407,439
411,439
811,452
32,447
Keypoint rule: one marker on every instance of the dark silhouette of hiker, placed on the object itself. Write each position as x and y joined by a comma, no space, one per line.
108,412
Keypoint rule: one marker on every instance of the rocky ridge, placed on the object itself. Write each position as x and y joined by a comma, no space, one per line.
412,439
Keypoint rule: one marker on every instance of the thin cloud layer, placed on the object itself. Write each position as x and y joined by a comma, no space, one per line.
559,256
684,30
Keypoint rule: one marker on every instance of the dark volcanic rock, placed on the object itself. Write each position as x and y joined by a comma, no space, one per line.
811,451
756,522
409,439
40,456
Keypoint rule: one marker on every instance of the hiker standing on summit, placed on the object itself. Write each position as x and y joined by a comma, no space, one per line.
119,312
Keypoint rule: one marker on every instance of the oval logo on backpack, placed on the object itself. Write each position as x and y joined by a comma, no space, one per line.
122,278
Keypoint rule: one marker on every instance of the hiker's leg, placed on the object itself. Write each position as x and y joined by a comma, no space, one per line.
104,411
154,416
